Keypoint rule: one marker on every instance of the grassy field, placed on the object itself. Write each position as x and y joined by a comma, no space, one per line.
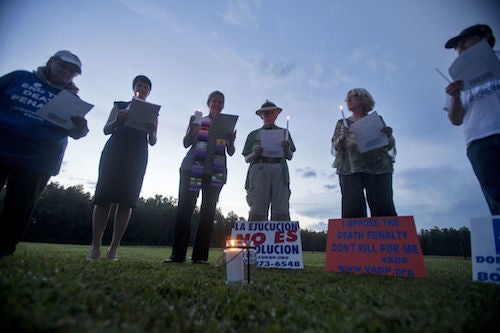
53,288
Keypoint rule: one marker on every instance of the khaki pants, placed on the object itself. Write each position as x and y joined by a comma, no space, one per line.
266,189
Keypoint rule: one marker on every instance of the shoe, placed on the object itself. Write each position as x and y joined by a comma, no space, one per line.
201,262
173,260
112,255
93,254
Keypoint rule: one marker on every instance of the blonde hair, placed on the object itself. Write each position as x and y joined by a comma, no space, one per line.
368,100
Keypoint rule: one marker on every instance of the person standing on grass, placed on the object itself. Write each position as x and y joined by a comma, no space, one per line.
478,110
31,148
268,179
203,168
369,172
121,172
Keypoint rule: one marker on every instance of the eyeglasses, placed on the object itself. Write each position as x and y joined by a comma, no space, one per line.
351,96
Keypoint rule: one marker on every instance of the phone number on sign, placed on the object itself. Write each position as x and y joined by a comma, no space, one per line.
266,263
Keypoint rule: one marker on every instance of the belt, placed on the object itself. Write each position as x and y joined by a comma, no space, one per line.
271,160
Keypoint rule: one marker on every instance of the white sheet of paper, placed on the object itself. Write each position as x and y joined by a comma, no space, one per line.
142,114
270,141
222,125
62,107
368,132
475,65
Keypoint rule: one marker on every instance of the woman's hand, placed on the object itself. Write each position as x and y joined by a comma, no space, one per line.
150,127
387,130
230,143
121,116
79,129
231,137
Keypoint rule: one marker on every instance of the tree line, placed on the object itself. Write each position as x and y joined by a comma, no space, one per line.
64,215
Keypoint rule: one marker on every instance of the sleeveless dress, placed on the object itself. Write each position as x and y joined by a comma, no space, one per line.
122,165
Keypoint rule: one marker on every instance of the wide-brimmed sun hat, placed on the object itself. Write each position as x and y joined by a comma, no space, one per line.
268,106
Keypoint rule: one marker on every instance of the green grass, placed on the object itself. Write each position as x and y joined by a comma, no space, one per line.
53,288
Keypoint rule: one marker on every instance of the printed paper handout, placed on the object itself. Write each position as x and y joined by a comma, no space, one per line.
62,107
142,114
222,125
475,65
368,132
270,141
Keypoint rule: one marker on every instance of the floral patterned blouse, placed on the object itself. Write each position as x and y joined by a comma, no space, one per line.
349,160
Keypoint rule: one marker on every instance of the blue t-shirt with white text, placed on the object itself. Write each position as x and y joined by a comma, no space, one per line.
26,140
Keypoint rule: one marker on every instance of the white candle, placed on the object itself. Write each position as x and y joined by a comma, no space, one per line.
234,265
343,116
286,133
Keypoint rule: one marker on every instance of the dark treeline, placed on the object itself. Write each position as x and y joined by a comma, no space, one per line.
64,216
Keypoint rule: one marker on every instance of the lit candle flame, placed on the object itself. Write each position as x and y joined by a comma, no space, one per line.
341,108
136,94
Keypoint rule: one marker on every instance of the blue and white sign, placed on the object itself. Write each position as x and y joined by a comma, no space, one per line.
277,243
485,243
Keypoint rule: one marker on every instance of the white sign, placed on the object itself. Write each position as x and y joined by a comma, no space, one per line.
277,243
485,244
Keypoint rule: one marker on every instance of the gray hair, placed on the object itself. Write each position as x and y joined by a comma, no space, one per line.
368,101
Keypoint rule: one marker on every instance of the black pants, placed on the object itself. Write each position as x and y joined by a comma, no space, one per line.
23,188
378,195
185,209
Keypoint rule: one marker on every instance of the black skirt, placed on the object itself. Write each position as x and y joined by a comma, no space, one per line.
122,167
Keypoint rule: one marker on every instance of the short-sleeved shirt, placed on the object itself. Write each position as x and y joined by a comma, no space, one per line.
481,110
253,139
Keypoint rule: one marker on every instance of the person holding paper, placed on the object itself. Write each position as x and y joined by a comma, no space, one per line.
121,171
32,148
359,173
268,180
203,168
478,110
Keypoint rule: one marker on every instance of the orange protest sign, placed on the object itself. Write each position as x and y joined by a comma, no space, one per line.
380,245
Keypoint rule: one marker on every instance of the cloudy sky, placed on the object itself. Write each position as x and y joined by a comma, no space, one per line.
302,55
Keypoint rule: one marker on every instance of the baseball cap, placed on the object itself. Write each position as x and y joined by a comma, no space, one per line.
69,57
481,30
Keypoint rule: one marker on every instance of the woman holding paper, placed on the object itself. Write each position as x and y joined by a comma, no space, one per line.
203,168
369,172
268,179
32,148
121,171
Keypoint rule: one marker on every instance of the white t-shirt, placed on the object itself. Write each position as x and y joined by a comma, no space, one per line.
482,110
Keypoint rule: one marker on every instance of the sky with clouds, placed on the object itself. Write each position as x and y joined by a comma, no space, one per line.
302,55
